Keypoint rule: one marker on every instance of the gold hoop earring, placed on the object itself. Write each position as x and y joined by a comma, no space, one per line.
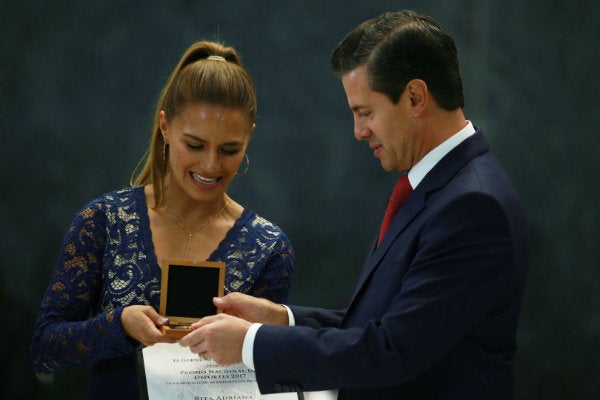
247,165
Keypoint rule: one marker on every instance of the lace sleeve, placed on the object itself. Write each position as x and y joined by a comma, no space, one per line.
65,335
275,279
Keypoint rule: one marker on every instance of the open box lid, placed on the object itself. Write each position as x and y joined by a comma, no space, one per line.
188,287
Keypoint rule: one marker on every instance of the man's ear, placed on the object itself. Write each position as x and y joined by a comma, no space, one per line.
418,95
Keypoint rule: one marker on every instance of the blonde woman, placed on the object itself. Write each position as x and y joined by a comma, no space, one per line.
101,303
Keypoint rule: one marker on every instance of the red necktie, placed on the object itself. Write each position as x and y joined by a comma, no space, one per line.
400,193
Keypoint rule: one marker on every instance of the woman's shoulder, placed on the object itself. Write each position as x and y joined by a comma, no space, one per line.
257,223
115,201
118,197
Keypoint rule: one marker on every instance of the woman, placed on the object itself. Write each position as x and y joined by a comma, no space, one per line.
101,303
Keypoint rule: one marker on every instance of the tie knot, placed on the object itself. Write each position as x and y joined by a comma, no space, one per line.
401,190
400,193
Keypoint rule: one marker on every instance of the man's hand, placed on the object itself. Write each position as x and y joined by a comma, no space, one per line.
219,337
141,322
252,309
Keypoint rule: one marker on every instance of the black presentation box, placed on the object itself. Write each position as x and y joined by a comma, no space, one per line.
186,293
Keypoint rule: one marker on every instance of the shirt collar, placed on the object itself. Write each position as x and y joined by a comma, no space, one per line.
426,164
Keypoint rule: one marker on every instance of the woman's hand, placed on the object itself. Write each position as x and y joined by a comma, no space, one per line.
142,322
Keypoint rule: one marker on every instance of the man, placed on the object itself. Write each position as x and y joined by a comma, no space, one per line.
435,310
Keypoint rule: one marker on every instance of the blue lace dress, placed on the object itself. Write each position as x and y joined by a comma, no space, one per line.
108,262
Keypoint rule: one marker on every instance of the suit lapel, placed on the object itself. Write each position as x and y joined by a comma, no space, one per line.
409,210
436,179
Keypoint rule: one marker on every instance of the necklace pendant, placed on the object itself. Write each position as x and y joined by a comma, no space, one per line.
187,248
201,228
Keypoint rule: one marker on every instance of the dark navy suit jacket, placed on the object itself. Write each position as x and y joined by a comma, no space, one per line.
435,310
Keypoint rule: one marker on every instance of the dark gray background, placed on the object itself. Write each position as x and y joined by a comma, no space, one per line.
78,81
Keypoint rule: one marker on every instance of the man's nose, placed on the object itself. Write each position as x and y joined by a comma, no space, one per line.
361,131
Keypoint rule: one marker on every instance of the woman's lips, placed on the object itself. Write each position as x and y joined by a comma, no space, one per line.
204,180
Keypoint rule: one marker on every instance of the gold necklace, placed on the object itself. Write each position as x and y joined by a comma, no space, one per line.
191,233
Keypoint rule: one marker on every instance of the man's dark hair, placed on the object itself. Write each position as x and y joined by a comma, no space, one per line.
397,47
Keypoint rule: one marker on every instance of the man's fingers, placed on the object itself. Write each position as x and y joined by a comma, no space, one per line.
204,321
220,302
197,335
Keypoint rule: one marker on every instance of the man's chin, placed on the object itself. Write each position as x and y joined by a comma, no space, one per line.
386,167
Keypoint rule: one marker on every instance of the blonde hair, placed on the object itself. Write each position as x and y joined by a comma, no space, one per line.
195,80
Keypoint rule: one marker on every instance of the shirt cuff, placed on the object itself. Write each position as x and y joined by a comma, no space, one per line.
248,346
292,320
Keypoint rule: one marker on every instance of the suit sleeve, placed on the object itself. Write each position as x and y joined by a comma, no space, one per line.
462,264
317,317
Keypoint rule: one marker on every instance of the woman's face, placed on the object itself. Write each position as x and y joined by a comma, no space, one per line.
206,146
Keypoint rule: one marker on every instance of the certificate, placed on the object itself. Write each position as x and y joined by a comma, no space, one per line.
171,371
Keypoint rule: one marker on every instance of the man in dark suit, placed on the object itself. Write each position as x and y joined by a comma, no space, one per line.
434,314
